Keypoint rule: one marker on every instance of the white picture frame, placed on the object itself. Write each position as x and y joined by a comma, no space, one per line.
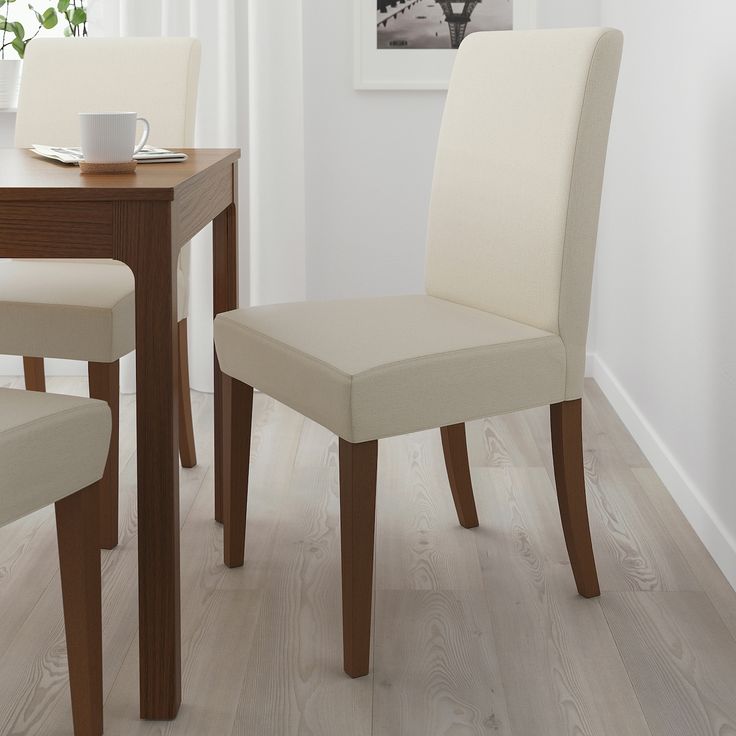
406,69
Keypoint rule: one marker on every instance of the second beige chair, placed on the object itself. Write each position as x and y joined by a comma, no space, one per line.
502,326
85,310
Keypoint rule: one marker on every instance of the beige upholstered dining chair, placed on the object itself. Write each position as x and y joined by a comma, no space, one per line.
502,326
53,449
85,310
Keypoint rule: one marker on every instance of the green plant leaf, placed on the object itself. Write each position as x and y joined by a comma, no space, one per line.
19,45
49,18
67,32
62,5
79,16
19,31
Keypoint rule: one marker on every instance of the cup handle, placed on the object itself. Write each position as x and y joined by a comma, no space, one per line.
144,138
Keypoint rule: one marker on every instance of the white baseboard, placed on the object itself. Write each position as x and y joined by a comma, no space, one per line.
697,510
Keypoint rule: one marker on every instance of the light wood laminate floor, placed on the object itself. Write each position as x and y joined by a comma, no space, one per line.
476,632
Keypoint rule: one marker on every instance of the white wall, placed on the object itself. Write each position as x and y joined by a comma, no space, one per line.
369,159
666,272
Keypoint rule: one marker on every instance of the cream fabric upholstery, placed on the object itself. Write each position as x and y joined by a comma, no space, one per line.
511,242
86,315
372,368
51,446
517,185
70,309
155,77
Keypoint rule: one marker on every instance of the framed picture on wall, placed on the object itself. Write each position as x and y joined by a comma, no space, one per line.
411,44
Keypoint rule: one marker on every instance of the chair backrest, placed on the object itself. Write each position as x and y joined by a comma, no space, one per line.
155,77
516,196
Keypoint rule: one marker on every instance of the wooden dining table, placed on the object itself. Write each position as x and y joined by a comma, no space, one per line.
51,210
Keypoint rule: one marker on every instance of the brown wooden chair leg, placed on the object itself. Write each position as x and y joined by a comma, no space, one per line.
187,448
77,519
35,376
238,413
104,384
567,451
458,473
358,467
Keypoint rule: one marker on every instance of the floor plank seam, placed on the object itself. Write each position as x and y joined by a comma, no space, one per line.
626,669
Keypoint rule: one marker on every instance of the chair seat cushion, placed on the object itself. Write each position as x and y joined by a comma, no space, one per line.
50,447
70,309
372,368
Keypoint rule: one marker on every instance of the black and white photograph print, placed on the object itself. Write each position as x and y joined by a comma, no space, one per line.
438,24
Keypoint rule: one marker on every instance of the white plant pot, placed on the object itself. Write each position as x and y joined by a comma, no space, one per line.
9,83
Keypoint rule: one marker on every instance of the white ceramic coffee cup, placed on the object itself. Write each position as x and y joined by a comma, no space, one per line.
109,137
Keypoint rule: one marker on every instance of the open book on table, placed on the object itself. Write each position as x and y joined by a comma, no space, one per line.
148,155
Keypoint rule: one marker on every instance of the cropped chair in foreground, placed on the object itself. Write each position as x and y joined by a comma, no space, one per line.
53,449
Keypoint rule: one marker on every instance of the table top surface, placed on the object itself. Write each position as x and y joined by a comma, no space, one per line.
26,176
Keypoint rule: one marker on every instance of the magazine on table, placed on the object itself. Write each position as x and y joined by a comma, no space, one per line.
148,155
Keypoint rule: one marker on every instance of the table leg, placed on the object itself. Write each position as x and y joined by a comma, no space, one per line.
143,240
225,296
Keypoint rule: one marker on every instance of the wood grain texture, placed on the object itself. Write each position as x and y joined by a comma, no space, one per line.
560,666
81,229
567,451
455,448
77,528
53,211
482,622
709,578
294,683
104,384
358,471
197,205
681,659
419,545
187,445
140,230
237,415
25,177
225,298
635,549
435,666
34,373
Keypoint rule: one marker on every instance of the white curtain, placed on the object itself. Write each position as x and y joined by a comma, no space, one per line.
222,121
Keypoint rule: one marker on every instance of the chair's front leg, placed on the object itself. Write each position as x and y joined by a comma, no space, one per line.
77,528
104,384
358,469
567,450
237,414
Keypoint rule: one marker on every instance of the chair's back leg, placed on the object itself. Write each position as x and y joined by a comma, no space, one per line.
104,384
458,472
358,469
567,451
187,448
77,527
35,376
